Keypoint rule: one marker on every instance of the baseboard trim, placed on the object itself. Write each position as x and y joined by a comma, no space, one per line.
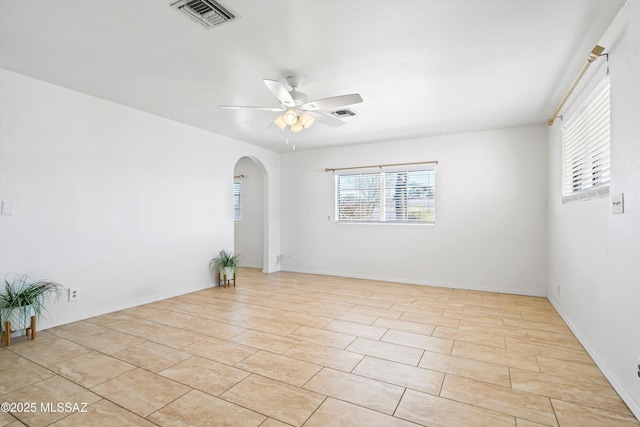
628,399
410,281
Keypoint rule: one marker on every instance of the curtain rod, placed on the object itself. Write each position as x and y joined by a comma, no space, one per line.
380,166
595,53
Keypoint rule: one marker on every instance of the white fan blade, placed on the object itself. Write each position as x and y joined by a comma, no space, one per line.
279,91
242,107
333,103
325,119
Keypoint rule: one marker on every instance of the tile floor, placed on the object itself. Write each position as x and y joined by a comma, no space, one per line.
306,350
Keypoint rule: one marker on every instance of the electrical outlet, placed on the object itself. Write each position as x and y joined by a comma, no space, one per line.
74,294
558,289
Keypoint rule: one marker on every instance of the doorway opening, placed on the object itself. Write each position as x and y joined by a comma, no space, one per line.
250,189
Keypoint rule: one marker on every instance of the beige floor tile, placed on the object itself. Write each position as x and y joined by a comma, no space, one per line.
496,356
332,304
173,318
543,317
468,368
205,375
140,391
356,329
103,414
325,356
349,316
319,336
385,350
270,422
91,369
47,350
420,308
572,370
51,390
559,340
528,347
574,415
503,331
7,419
231,317
527,423
275,399
469,336
161,334
409,339
336,413
272,326
500,399
593,395
433,411
200,409
152,356
143,311
220,351
215,329
542,326
478,318
404,325
359,390
372,302
260,311
430,319
265,341
303,319
281,368
375,311
399,374
17,372
110,319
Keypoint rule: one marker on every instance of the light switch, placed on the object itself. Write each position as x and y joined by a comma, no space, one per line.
8,207
617,203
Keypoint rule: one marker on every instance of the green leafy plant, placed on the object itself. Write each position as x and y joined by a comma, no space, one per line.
20,292
224,261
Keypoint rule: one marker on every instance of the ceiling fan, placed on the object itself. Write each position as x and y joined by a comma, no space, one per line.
299,114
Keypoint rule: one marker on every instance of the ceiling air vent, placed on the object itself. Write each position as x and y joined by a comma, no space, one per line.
207,13
341,114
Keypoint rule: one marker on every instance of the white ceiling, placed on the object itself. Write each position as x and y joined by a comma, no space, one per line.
423,67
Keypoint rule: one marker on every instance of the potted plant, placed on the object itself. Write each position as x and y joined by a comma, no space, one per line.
22,301
226,264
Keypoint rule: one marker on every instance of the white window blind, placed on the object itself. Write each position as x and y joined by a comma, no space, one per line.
237,188
406,196
586,146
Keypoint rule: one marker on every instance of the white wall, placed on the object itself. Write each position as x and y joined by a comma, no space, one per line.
126,206
594,255
248,235
490,230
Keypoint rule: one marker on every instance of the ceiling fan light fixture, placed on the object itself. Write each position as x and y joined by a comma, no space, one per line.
297,127
290,117
306,120
280,122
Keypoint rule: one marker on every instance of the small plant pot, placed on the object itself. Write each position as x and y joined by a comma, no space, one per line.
18,322
227,274
20,317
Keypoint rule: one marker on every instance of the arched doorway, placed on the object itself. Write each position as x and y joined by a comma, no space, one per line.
249,236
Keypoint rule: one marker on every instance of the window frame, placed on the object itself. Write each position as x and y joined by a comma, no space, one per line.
386,196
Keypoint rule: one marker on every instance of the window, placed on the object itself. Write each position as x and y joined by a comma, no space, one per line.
237,188
586,148
405,196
